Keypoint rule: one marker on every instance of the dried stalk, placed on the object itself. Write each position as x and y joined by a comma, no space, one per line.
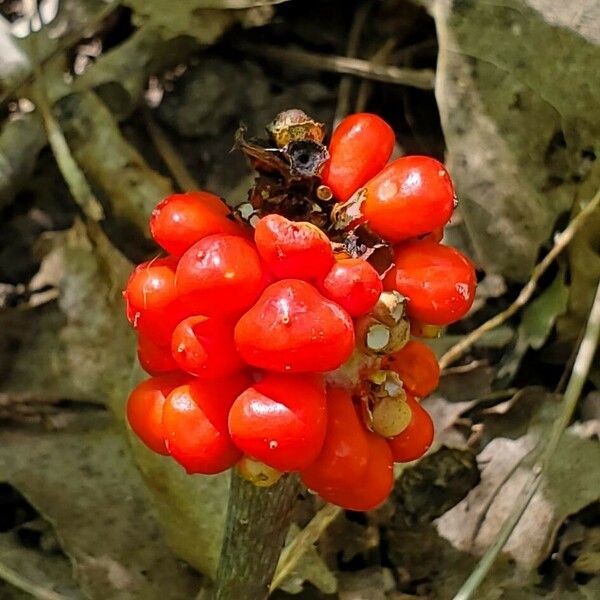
419,78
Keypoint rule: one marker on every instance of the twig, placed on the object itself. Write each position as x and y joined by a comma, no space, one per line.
561,242
184,179
302,542
560,386
419,78
358,23
37,591
237,4
74,177
581,368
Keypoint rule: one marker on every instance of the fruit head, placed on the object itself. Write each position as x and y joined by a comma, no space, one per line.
437,281
292,328
241,328
281,420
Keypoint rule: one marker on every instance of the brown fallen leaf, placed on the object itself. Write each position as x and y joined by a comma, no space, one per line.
571,482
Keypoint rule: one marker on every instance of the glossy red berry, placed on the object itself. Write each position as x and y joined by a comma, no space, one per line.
204,346
353,283
293,328
151,286
292,249
360,146
344,456
438,281
145,409
195,424
416,439
412,196
220,275
375,485
417,366
281,420
153,305
181,220
154,359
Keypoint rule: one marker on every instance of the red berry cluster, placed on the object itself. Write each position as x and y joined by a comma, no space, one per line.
272,349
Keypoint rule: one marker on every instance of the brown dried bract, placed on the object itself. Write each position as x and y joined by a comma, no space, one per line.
295,124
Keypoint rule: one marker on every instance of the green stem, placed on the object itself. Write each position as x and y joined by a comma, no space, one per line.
257,523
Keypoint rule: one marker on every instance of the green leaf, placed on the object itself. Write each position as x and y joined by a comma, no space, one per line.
537,322
92,357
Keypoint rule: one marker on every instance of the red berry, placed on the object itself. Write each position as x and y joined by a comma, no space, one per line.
292,328
181,220
417,366
343,458
220,275
281,420
154,359
145,409
153,306
204,346
375,485
292,249
195,424
413,195
151,286
438,281
353,283
416,439
360,146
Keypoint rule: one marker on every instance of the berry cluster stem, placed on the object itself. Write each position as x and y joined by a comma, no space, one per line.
257,523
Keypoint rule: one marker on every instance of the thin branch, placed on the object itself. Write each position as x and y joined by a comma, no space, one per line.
237,4
561,242
184,179
581,368
419,78
358,23
74,177
302,542
37,591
